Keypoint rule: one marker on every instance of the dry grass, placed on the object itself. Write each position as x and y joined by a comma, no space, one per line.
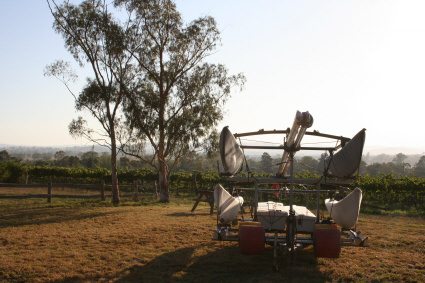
43,190
86,241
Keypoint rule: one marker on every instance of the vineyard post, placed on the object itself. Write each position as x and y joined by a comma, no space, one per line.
26,178
49,190
156,190
102,190
136,190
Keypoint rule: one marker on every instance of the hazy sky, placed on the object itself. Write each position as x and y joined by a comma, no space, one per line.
352,64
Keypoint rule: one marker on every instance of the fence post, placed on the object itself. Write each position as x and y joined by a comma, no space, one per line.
26,178
102,190
307,197
156,190
136,190
49,191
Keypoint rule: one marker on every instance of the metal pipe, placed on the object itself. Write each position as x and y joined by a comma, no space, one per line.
275,247
300,136
256,201
307,196
291,137
291,190
272,191
314,133
318,203
281,147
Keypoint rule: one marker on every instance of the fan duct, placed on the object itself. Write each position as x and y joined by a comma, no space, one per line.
347,160
231,153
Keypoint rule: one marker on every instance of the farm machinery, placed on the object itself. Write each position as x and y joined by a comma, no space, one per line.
290,228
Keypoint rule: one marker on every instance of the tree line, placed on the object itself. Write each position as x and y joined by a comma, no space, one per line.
191,161
385,191
195,161
397,165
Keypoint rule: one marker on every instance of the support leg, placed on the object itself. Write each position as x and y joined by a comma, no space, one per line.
275,248
196,203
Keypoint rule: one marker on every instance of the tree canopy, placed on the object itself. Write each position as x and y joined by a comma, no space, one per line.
177,99
94,37
152,65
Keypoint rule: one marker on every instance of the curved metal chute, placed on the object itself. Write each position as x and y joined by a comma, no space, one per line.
346,211
231,154
302,121
347,160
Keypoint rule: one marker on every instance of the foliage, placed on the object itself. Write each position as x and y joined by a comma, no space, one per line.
399,158
267,162
92,35
59,155
387,191
154,63
90,159
12,172
390,192
4,156
419,169
176,101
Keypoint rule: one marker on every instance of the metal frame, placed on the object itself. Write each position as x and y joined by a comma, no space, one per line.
290,242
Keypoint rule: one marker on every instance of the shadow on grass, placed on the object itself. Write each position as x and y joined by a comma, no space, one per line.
188,214
45,215
222,263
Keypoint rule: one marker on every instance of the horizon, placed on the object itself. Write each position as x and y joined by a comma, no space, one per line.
372,150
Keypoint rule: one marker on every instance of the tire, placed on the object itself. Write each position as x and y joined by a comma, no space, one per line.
327,243
252,240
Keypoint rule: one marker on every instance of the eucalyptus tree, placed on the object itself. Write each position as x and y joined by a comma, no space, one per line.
94,37
177,99
419,169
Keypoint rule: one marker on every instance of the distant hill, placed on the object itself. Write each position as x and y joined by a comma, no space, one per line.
415,152
69,149
376,150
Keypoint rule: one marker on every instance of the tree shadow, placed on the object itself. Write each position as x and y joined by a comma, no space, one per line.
218,262
224,264
188,214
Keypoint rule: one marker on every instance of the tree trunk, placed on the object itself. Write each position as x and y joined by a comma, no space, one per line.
164,188
115,189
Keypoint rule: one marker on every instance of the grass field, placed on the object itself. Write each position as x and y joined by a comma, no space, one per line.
92,241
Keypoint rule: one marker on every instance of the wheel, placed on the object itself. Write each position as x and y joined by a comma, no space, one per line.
327,243
251,240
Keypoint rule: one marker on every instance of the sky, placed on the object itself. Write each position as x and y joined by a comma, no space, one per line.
351,64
